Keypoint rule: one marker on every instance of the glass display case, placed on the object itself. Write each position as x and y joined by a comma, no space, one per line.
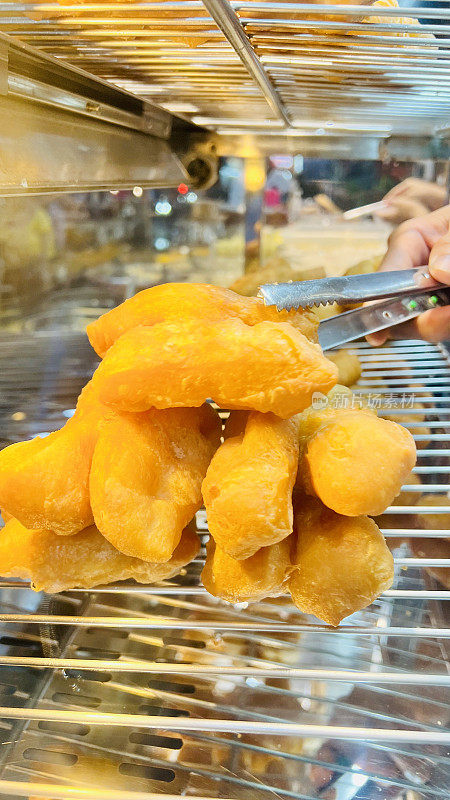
214,142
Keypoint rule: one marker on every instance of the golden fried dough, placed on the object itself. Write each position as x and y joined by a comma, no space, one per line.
356,463
407,497
85,560
434,548
341,564
392,520
325,312
189,302
326,409
408,420
276,272
349,368
146,477
261,575
372,264
413,30
265,367
435,521
44,483
248,486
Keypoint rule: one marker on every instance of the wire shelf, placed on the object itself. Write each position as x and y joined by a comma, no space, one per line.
333,68
132,692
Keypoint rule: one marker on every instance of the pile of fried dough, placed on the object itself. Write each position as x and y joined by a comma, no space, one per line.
287,487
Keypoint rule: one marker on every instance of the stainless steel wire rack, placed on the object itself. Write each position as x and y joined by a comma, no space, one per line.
137,693
313,68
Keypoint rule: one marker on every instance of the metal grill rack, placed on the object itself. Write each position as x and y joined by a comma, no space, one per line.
139,693
319,69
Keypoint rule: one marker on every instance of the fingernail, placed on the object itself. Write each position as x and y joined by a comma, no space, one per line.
440,267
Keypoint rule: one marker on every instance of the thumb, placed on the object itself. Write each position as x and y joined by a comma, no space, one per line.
439,260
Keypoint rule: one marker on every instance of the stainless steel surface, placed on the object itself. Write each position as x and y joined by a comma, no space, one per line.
351,325
66,130
37,76
229,23
330,71
3,68
141,693
346,290
44,150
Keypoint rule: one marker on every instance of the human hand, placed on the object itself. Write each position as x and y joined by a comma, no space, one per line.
421,241
411,198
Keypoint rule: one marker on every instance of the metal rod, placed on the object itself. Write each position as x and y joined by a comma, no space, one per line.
155,623
350,28
432,470
401,533
347,10
230,25
190,724
418,509
180,591
423,562
151,667
52,790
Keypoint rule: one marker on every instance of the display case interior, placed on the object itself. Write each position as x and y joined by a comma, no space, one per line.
145,143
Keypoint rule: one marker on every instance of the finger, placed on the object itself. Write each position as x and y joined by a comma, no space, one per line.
378,338
406,250
410,245
431,195
400,209
404,187
432,326
439,261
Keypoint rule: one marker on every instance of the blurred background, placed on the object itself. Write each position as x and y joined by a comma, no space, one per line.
64,258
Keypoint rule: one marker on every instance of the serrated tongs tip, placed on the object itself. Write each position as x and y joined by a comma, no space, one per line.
345,290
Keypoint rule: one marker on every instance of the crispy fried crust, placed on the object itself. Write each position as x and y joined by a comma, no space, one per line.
248,486
354,461
341,564
146,476
195,302
265,367
44,482
54,563
261,575
348,366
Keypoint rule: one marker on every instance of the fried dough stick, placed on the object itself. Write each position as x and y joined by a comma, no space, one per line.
265,367
44,482
146,477
248,486
348,366
194,302
262,575
354,461
341,564
85,560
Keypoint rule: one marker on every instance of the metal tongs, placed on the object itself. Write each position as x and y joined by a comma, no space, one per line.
405,295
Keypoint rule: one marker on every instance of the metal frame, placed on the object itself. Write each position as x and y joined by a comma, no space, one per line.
295,64
65,130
